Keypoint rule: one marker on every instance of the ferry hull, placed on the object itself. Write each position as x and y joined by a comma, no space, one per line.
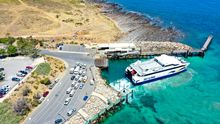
152,80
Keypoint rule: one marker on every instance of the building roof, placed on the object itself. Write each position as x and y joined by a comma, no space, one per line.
117,45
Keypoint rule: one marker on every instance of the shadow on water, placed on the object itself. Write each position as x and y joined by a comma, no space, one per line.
148,101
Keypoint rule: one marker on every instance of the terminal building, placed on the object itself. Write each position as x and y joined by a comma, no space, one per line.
118,49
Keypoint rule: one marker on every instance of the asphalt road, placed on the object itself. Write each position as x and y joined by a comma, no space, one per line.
53,106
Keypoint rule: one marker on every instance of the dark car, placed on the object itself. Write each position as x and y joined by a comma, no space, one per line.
85,98
16,79
2,91
72,78
58,121
1,95
23,72
2,69
45,94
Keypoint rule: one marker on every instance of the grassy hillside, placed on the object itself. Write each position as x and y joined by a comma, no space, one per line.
66,20
9,1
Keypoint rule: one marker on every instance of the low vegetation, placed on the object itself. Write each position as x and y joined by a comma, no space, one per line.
26,97
22,46
43,69
7,114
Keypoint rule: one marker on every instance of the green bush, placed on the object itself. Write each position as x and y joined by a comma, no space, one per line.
11,50
43,69
2,51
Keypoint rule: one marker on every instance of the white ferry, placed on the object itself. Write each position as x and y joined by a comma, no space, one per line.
154,69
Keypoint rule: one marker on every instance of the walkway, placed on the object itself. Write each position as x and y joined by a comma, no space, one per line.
105,100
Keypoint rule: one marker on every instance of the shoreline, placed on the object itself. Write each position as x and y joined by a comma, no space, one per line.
135,26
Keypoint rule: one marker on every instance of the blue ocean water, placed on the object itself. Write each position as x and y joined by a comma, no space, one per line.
191,97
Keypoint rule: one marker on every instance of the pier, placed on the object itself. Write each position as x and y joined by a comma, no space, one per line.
207,43
142,50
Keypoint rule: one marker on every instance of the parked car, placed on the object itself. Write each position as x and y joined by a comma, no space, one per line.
1,95
85,98
85,79
77,78
41,99
71,111
73,83
72,93
92,82
2,69
84,73
72,78
72,70
45,94
56,80
20,74
58,121
67,101
29,67
23,72
15,79
68,90
6,88
76,86
81,86
2,91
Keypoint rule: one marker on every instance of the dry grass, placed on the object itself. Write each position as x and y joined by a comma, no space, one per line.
57,19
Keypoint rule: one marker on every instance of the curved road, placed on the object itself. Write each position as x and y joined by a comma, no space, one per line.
53,106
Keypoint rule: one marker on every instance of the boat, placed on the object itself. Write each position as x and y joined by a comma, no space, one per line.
159,67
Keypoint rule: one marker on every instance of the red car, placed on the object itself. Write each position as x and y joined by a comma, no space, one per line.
45,94
29,67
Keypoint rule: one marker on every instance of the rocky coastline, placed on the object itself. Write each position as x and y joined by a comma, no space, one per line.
135,26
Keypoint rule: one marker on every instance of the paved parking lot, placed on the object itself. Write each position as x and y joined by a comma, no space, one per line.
12,65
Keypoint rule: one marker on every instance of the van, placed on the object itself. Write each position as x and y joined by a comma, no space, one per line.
72,93
68,90
71,70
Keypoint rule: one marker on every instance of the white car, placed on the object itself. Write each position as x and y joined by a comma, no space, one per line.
92,82
67,101
71,111
73,83
72,93
71,70
76,86
68,90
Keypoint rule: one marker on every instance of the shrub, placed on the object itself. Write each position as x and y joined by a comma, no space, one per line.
21,106
45,81
35,103
11,50
26,91
37,96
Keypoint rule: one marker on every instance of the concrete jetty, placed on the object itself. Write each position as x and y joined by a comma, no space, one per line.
146,50
207,43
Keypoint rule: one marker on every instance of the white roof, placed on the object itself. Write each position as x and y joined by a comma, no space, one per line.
167,60
117,45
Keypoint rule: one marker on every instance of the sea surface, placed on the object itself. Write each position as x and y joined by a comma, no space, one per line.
192,97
